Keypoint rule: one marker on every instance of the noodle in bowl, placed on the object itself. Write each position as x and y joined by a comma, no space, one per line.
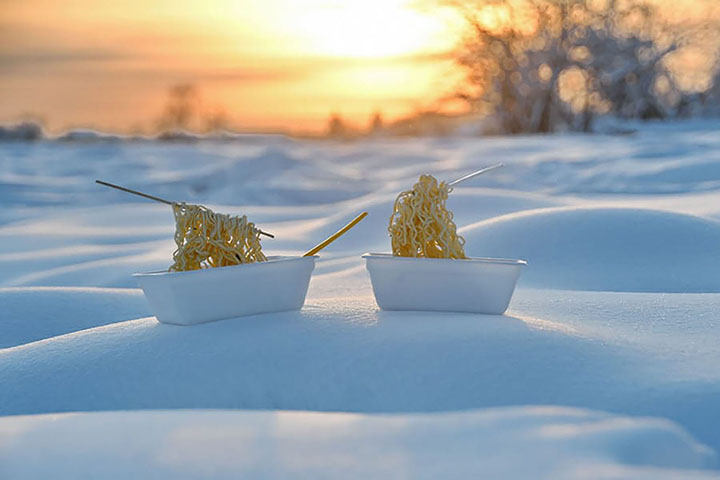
197,296
428,268
478,285
421,225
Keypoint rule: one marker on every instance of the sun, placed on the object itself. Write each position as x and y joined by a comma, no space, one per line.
369,29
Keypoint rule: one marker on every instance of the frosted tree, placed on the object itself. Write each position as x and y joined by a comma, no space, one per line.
708,102
542,65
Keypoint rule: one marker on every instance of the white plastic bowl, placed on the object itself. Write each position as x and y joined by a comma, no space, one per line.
198,296
479,285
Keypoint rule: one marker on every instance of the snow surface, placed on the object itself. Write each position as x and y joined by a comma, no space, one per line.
34,313
616,311
530,442
632,353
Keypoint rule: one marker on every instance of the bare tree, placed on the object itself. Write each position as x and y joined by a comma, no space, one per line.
180,109
336,127
376,123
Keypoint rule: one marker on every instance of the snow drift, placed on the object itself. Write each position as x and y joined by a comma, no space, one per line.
613,249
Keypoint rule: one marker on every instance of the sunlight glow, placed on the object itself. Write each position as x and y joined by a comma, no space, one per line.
494,17
271,64
370,28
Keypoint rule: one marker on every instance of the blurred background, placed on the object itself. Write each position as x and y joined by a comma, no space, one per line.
352,68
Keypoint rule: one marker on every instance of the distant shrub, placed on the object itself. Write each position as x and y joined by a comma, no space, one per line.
26,131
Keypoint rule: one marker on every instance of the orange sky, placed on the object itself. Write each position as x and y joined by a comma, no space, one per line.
268,64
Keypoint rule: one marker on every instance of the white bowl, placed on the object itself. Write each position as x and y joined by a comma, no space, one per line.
479,285
198,296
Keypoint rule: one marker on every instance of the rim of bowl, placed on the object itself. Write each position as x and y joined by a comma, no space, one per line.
270,260
390,256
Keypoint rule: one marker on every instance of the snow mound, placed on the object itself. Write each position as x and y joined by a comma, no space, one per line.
613,249
510,443
334,355
90,135
34,313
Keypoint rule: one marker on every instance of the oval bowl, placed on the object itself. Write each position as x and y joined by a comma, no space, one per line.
199,296
478,285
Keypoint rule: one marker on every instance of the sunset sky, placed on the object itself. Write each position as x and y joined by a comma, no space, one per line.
270,64
267,64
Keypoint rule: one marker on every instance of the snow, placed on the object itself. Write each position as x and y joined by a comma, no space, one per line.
616,311
535,442
34,313
612,249
642,355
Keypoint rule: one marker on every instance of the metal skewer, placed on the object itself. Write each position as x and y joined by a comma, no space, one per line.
135,192
474,174
157,199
